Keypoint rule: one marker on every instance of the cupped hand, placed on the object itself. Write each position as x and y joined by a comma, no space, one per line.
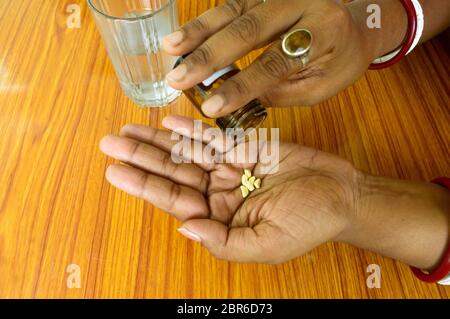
341,52
308,200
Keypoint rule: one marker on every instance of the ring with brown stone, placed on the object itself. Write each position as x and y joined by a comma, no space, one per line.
297,44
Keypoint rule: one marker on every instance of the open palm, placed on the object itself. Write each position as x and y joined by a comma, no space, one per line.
307,200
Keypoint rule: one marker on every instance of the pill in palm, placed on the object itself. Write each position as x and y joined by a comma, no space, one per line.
249,185
245,191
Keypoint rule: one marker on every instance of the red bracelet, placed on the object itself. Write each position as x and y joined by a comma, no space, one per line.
444,268
410,36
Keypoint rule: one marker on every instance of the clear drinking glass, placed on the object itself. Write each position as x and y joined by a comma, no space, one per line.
133,31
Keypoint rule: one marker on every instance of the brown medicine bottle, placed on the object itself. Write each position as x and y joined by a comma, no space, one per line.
250,116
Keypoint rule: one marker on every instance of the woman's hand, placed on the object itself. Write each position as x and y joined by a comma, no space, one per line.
340,52
310,200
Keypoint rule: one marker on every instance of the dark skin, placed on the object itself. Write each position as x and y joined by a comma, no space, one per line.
313,198
208,196
343,48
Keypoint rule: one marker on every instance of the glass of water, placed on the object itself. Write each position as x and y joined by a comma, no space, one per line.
133,31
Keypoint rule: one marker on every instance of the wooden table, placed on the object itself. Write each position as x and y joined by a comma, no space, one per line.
59,96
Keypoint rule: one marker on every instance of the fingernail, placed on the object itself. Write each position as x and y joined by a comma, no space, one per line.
213,105
178,73
175,38
187,233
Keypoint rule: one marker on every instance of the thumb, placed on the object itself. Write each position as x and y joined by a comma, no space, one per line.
241,244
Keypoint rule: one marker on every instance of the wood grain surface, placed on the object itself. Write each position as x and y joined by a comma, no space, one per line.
59,96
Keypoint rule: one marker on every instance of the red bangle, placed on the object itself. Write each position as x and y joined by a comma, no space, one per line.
444,268
410,36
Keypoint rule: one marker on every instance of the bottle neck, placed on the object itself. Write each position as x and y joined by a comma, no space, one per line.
250,116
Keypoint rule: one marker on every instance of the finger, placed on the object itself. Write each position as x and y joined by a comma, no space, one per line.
252,30
268,71
313,85
149,135
195,32
213,137
234,150
155,161
191,151
181,201
309,88
187,126
240,244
